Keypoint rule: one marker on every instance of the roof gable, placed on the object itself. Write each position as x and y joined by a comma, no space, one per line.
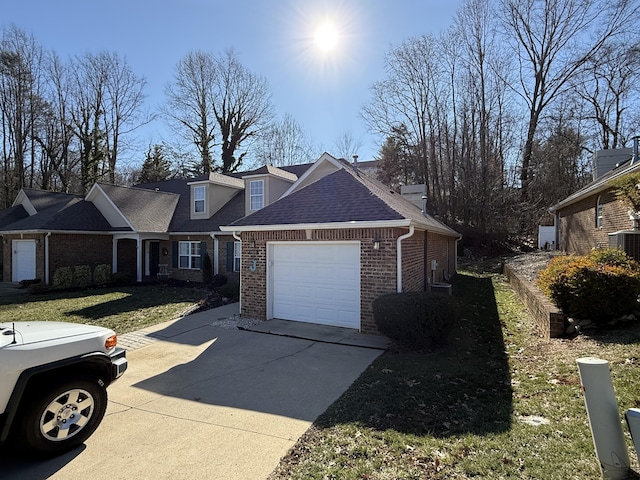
343,196
325,165
141,209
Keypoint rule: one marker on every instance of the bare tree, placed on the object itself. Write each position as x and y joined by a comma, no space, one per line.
610,86
21,63
190,104
553,41
347,146
284,143
242,107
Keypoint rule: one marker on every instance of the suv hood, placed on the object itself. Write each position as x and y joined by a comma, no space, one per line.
33,332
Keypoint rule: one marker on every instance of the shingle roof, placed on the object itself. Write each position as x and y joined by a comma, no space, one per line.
342,196
146,210
598,185
11,215
74,215
182,222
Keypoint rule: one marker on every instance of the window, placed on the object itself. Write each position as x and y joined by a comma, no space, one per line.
198,199
256,192
189,255
237,256
599,212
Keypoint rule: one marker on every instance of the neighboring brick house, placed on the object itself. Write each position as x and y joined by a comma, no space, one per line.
164,229
335,241
593,217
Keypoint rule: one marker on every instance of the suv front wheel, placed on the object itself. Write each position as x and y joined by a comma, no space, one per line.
65,415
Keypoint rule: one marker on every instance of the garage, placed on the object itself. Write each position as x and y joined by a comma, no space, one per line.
23,260
315,282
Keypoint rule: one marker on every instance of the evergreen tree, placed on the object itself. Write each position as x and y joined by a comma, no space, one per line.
156,167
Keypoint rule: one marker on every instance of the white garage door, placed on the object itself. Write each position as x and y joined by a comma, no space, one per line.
23,260
317,283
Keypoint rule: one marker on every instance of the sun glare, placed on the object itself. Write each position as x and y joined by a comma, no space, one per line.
326,37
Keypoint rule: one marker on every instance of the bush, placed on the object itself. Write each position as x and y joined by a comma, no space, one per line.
63,278
230,290
415,319
120,278
102,274
82,276
601,286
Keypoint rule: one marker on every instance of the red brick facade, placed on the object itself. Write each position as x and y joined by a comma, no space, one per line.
378,272
576,223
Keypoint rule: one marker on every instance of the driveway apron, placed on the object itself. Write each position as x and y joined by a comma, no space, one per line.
203,402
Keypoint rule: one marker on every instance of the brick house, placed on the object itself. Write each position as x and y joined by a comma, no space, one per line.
166,229
593,217
333,242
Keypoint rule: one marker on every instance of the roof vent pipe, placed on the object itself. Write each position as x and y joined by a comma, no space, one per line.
424,205
355,162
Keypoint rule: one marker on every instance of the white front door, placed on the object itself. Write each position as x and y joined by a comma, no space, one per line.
316,282
23,260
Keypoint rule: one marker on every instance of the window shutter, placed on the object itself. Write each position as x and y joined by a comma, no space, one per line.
229,256
203,254
174,255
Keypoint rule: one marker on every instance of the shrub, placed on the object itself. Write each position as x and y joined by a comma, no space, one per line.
63,277
415,319
120,278
601,286
230,290
82,276
102,274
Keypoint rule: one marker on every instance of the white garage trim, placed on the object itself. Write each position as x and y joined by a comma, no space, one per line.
23,260
314,282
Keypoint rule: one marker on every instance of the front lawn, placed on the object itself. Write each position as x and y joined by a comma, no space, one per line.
462,412
123,309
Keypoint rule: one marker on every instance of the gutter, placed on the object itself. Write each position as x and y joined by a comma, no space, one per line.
399,256
235,235
46,258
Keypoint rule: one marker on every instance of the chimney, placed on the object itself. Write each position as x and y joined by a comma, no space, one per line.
634,158
355,162
424,205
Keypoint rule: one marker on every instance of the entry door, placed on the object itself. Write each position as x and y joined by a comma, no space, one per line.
23,260
154,258
317,283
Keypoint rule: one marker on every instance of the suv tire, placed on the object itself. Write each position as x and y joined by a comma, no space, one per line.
63,415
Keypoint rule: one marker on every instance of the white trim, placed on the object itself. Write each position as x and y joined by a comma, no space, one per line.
399,256
262,195
23,199
318,226
325,157
270,278
91,194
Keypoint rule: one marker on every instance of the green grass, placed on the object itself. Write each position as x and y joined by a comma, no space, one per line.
457,412
123,309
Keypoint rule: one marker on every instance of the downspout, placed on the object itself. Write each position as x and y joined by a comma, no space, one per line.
216,257
399,256
46,258
235,235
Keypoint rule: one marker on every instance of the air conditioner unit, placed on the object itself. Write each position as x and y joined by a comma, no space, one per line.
628,241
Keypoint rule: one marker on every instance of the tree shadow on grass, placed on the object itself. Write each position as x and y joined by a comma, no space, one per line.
464,387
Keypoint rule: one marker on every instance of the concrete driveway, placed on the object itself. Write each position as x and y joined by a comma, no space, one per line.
204,402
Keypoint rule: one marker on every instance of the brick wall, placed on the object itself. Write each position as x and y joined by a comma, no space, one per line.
184,274
577,229
74,250
441,249
548,320
378,274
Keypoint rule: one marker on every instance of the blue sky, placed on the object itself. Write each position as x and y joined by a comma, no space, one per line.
324,92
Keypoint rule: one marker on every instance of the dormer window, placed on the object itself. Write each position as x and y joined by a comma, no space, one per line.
256,192
198,199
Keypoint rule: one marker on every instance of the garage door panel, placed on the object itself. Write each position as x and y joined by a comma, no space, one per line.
317,283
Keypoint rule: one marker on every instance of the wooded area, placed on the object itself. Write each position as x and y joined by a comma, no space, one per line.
498,115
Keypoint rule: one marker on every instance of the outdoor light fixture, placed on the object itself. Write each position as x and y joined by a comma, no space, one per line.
376,244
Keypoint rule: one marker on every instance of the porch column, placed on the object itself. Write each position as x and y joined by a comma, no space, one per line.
139,259
114,256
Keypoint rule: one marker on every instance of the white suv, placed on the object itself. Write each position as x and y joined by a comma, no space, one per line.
53,380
